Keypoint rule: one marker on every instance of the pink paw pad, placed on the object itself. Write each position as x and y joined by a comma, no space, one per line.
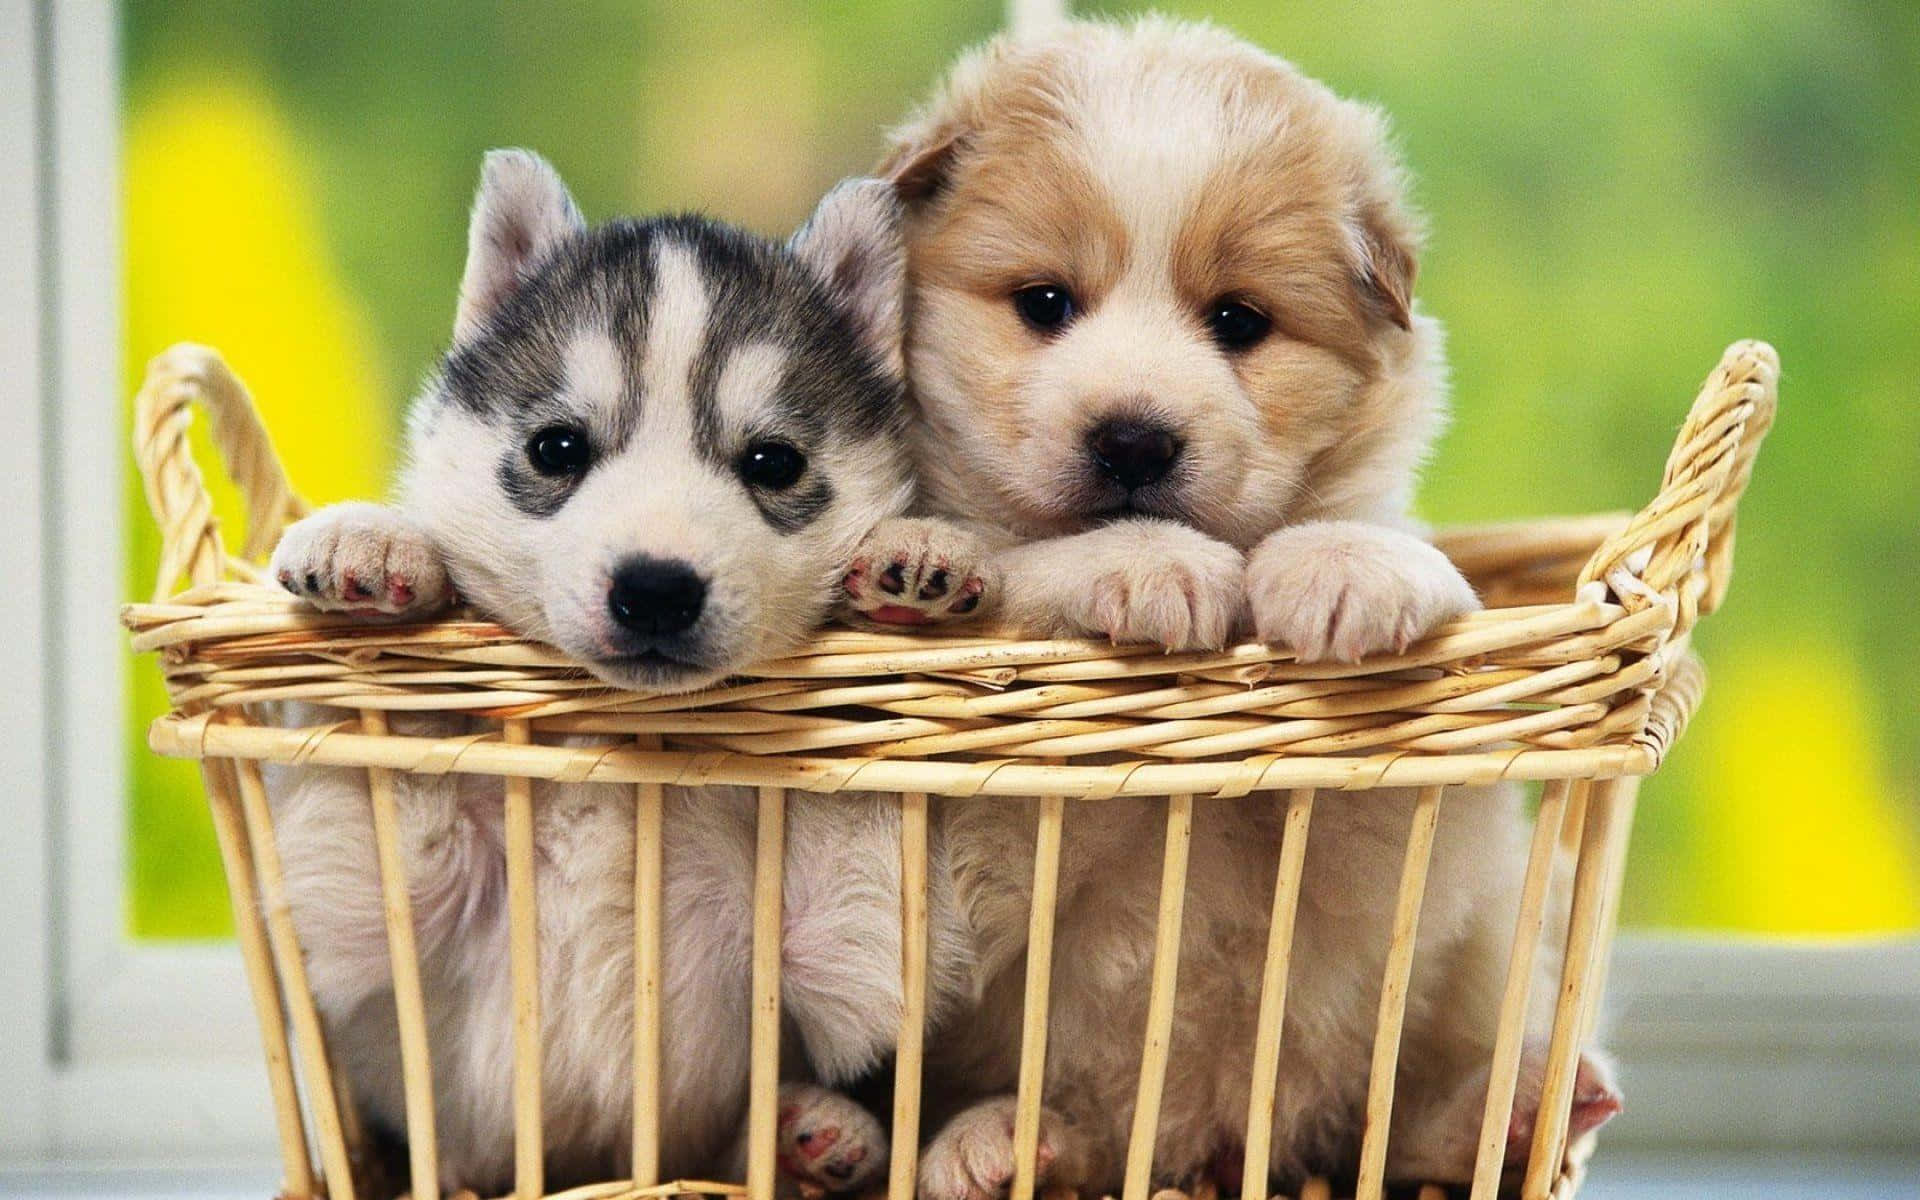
927,593
815,1151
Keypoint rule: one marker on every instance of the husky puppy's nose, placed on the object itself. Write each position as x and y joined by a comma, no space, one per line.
1133,453
655,597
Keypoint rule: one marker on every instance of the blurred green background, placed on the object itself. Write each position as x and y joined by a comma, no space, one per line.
1615,192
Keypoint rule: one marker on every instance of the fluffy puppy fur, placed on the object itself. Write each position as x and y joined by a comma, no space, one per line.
1171,385
655,445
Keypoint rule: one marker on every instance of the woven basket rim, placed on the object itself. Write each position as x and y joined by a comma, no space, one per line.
1594,681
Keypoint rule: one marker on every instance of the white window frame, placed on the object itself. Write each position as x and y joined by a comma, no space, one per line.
116,1050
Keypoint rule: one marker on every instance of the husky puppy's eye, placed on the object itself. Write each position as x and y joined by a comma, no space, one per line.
560,450
1235,325
772,464
1045,306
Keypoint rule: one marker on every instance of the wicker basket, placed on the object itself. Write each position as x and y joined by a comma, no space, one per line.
1577,674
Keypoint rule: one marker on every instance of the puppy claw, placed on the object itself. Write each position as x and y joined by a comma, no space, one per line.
918,562
1343,590
330,558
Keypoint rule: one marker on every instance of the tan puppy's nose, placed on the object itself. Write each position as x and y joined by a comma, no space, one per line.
1133,453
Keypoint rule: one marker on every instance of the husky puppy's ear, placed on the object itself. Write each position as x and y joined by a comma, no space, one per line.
520,212
855,245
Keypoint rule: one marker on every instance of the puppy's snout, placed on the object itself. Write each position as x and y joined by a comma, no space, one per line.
1133,453
656,597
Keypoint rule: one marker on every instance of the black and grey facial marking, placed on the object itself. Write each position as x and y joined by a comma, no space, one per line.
797,507
514,371
531,492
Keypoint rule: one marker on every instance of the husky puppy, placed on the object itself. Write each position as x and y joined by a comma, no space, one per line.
1172,386
655,445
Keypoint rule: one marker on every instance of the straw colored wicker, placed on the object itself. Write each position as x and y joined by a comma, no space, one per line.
1576,674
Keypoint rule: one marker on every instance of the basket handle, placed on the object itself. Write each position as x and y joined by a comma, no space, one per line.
190,545
1688,527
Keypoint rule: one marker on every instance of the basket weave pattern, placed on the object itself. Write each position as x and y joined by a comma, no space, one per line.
1577,673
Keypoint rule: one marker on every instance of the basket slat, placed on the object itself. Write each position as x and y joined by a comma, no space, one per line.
1569,1018
308,1034
523,923
1393,995
236,856
1626,796
1273,994
1166,975
1510,1035
904,1168
763,1088
649,884
1034,1008
408,997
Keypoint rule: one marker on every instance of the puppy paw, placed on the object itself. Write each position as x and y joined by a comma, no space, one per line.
916,571
827,1143
1343,590
1181,590
972,1156
1596,1100
361,558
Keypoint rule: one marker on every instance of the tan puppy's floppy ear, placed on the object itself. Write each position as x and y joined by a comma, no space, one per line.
1386,244
854,244
921,158
520,213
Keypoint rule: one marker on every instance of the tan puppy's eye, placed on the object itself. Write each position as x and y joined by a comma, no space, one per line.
1236,325
1045,306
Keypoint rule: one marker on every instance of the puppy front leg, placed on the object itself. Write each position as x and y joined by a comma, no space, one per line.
1131,581
363,558
1346,589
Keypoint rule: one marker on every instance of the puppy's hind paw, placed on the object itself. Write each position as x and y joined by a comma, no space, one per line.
1596,1100
972,1157
916,571
827,1143
362,558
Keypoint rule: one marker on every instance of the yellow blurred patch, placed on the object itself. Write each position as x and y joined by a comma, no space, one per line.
224,246
1802,830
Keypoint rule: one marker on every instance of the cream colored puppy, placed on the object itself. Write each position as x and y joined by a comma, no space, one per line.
1171,385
